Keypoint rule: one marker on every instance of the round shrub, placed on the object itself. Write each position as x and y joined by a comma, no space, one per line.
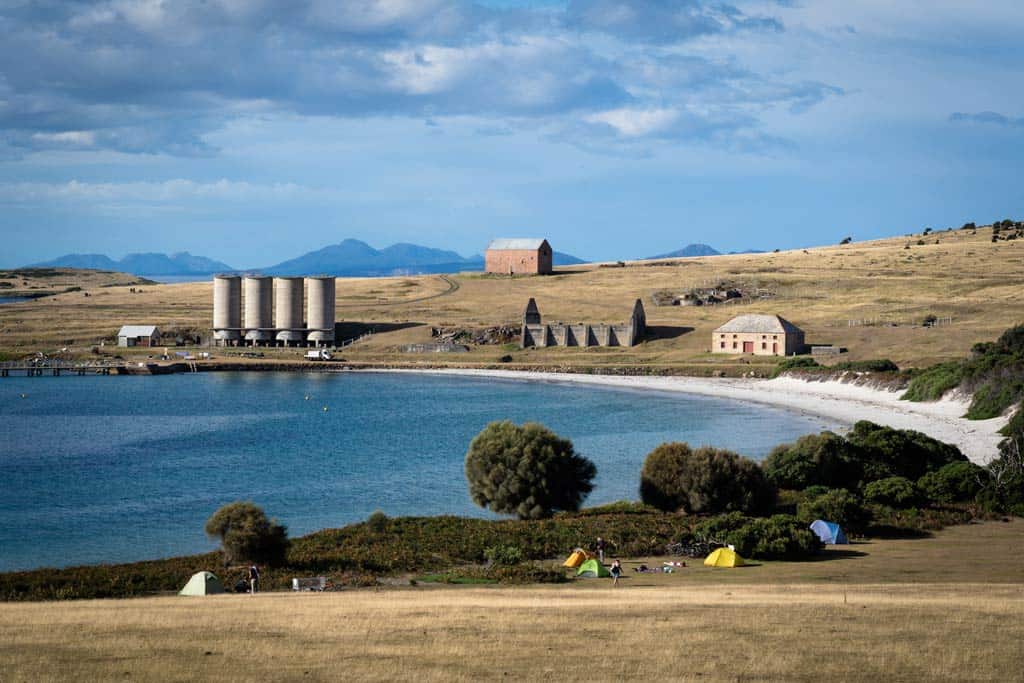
526,470
706,480
897,492
825,459
837,505
887,452
780,537
957,482
247,535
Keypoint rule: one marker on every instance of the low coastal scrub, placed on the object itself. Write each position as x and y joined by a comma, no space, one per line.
993,374
808,365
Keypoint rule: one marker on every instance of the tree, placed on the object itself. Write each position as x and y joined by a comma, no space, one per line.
246,535
957,482
825,459
836,505
887,452
897,492
675,477
526,470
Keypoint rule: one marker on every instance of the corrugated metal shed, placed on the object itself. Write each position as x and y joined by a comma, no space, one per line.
505,244
760,324
137,331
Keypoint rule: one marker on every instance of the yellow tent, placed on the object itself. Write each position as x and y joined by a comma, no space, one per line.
577,558
723,557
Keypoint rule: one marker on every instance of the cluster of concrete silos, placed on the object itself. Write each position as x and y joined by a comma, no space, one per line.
273,310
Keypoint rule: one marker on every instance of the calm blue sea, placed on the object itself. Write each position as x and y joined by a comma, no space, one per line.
114,469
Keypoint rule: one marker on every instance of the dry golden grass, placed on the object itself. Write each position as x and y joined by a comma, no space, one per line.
954,615
781,632
963,276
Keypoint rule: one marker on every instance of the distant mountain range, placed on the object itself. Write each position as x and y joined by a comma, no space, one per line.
691,250
350,258
182,263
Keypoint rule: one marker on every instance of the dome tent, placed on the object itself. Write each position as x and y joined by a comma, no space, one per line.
592,569
829,532
724,557
202,583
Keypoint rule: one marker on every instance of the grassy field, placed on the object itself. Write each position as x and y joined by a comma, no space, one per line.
944,608
883,286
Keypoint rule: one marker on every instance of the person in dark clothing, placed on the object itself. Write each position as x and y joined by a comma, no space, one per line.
600,545
254,579
616,572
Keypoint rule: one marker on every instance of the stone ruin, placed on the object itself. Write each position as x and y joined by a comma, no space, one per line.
537,333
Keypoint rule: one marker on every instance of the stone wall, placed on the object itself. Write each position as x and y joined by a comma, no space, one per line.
536,333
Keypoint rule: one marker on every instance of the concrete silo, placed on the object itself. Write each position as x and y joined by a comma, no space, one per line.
227,308
259,321
320,310
288,309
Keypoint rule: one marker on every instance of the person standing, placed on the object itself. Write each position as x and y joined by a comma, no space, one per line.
254,579
601,545
616,572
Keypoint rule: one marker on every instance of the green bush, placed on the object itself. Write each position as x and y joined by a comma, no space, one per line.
246,535
837,505
503,554
887,452
796,363
377,522
878,365
897,492
933,383
780,537
707,480
957,482
526,470
825,459
716,529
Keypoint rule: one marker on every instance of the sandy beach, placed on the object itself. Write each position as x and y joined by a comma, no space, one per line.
843,402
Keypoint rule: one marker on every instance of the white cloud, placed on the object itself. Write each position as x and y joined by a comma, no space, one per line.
632,123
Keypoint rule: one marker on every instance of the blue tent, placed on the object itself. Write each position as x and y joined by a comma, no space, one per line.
829,532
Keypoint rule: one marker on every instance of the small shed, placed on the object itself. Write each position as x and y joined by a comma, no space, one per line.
760,335
521,256
138,335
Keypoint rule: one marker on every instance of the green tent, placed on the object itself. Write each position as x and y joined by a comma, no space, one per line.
592,569
202,583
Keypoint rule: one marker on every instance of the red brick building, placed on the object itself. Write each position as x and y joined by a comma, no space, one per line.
519,257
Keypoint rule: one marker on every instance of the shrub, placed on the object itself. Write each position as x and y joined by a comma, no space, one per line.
933,383
873,365
797,363
715,529
503,554
526,470
780,537
957,482
674,477
246,535
377,522
825,459
1004,490
898,492
887,452
837,505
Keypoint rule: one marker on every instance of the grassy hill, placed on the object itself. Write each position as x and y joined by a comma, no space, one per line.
870,297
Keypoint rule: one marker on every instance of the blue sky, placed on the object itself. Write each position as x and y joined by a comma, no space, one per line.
254,130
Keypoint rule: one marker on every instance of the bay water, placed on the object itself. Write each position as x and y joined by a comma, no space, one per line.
116,469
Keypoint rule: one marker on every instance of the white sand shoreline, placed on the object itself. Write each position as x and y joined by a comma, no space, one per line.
845,403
